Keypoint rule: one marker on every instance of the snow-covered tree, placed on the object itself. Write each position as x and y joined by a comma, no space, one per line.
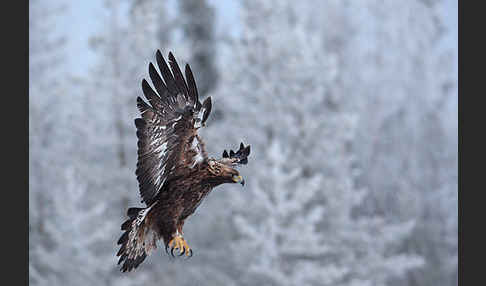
302,228
76,230
407,133
45,96
67,240
45,54
197,19
297,239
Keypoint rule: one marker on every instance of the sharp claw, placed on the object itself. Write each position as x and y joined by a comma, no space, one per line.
181,247
183,250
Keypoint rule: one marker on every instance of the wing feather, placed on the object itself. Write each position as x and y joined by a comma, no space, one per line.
160,87
180,82
191,83
152,97
168,144
167,75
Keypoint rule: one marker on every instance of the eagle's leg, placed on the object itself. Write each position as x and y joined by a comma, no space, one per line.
178,242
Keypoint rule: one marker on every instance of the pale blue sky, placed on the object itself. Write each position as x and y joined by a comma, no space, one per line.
84,19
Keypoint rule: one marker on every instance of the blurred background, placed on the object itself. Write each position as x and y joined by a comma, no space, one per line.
350,108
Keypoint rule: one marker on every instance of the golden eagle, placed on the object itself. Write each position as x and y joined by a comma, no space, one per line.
174,171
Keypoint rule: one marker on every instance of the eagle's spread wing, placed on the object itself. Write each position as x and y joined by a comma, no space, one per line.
168,144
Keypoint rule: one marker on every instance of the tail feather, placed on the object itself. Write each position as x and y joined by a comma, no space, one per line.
138,240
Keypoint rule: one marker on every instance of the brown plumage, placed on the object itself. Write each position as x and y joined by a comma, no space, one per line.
174,171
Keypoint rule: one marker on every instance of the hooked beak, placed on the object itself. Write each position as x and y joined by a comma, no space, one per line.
239,179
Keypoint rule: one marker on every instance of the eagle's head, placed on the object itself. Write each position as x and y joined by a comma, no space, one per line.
225,169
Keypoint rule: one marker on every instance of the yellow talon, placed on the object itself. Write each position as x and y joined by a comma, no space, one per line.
179,243
187,249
